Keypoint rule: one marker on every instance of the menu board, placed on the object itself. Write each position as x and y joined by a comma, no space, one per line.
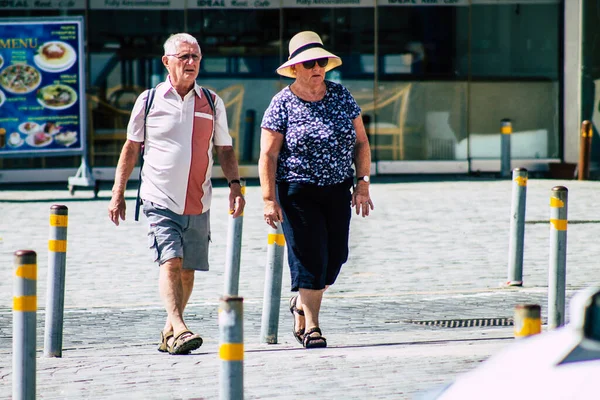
42,97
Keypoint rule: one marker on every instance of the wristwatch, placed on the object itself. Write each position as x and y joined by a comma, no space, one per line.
234,181
365,178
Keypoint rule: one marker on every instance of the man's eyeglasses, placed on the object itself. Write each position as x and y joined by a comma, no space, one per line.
186,57
311,64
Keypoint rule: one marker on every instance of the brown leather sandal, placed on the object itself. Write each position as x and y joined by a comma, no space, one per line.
163,347
184,342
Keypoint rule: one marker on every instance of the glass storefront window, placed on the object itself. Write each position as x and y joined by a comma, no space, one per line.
419,41
513,40
433,81
515,71
464,69
420,106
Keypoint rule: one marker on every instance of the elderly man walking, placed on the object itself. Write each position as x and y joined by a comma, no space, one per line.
183,123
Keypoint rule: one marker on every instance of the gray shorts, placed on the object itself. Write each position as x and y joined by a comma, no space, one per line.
172,235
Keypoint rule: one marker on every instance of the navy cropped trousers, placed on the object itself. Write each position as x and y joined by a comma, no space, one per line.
316,224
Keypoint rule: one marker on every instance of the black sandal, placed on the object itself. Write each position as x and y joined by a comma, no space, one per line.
314,342
298,334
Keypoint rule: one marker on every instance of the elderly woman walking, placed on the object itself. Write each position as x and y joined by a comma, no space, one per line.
312,134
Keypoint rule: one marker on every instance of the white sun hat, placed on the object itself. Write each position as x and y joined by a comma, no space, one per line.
306,46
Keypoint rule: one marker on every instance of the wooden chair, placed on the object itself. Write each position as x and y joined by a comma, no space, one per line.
107,127
390,111
123,96
233,98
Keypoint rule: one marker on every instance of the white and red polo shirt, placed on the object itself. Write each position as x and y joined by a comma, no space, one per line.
179,144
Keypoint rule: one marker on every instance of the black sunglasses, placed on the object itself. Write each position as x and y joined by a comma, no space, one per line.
311,64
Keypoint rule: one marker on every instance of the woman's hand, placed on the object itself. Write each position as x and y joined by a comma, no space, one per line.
272,213
361,199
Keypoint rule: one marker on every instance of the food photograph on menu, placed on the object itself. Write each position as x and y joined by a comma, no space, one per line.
41,87
55,56
20,78
57,97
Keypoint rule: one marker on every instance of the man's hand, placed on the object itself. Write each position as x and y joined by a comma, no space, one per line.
116,208
236,200
361,199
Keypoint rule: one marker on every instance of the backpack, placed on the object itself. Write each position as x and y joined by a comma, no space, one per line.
149,101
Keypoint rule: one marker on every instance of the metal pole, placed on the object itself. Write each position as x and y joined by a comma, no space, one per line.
272,292
506,130
585,147
231,348
234,250
24,325
528,320
558,257
55,300
517,227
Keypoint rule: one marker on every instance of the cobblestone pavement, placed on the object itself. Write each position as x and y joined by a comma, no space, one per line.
433,249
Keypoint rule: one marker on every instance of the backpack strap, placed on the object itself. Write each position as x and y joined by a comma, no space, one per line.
212,107
149,101
209,98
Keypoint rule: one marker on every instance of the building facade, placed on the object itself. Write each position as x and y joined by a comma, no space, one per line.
434,78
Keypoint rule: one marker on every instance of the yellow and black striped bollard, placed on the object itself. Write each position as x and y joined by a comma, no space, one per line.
231,347
272,291
55,299
24,325
528,320
558,257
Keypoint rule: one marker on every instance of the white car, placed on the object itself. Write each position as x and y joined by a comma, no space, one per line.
561,364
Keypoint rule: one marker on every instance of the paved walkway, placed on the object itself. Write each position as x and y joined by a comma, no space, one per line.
434,249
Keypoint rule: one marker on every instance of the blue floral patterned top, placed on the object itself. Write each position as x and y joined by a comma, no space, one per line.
318,146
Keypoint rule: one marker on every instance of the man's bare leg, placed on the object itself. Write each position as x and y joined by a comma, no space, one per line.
175,288
172,294
187,284
187,280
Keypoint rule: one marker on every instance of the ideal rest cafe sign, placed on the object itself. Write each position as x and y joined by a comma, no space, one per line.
240,4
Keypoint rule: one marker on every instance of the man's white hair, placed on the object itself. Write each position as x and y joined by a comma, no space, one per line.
176,39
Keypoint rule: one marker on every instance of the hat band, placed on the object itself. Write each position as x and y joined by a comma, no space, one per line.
304,48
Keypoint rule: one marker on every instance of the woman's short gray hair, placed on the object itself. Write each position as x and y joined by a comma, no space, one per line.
176,39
